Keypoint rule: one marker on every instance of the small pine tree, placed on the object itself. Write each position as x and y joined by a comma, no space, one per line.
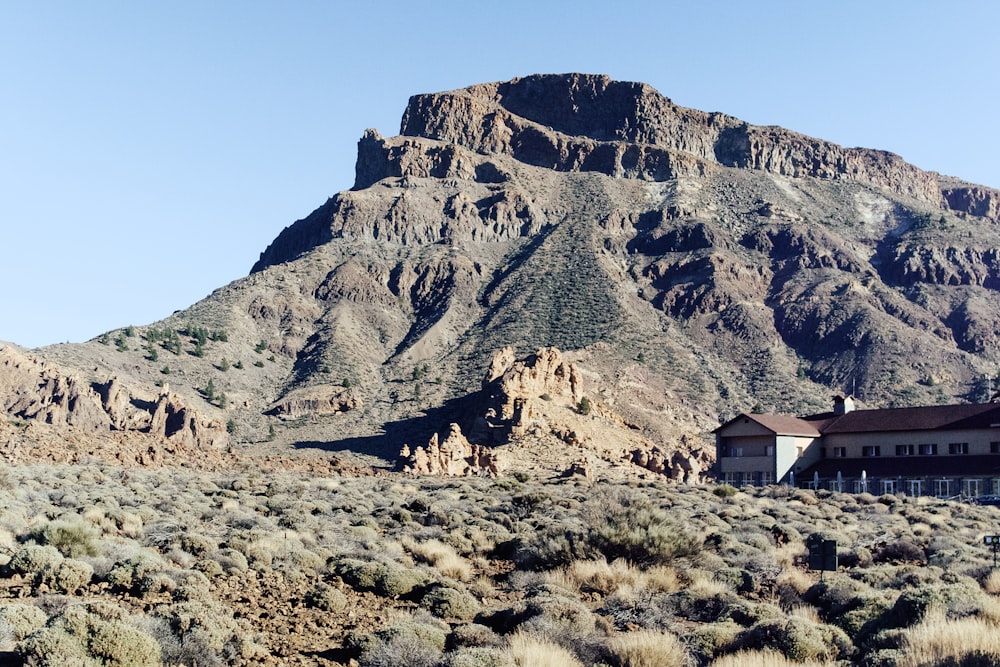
584,406
153,354
129,331
238,365
230,427
210,391
224,366
270,432
165,370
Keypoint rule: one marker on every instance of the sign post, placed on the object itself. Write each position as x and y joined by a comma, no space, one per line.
993,541
823,556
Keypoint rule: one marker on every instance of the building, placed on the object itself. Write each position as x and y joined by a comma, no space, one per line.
945,451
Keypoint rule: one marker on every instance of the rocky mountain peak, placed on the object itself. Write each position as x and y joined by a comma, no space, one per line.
687,264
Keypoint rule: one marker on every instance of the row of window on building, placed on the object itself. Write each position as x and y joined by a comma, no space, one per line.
942,488
930,449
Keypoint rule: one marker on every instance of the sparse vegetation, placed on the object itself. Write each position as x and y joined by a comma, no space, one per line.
484,571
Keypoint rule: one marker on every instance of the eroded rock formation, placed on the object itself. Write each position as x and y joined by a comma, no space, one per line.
453,456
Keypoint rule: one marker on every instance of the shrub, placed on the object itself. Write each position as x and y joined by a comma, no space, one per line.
21,619
126,575
796,638
32,559
89,634
65,576
203,632
725,490
480,656
647,648
72,537
900,551
450,603
387,580
709,640
326,598
410,642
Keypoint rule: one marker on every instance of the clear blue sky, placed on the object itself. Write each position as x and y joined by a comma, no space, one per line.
150,151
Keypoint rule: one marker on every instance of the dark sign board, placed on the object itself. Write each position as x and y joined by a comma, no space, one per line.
823,555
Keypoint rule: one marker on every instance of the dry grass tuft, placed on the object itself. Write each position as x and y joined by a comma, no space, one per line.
992,583
760,659
937,640
615,577
648,648
529,651
442,557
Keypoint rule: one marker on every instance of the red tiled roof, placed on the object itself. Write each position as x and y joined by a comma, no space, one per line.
786,425
934,417
778,424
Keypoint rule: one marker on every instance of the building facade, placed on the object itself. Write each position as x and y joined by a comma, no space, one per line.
944,451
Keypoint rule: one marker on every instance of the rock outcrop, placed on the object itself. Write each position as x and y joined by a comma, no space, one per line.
453,456
36,391
513,386
316,400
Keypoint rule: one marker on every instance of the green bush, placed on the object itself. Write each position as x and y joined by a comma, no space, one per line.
204,632
725,490
412,642
66,576
327,598
709,641
385,579
480,656
21,619
72,537
32,559
450,603
93,634
796,638
127,575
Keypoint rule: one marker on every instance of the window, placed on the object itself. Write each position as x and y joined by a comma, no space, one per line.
905,450
766,477
861,486
839,452
958,448
768,450
971,487
942,488
928,450
996,487
736,451
995,448
871,450
889,486
913,486
733,478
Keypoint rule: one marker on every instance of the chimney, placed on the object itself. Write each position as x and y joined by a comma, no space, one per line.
842,404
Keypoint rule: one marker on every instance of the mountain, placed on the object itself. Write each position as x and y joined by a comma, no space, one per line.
687,265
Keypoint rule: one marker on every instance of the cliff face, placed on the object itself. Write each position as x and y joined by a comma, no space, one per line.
690,265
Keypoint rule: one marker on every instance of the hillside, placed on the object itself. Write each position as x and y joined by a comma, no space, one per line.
689,264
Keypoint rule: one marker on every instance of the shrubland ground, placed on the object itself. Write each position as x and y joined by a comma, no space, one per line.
111,565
